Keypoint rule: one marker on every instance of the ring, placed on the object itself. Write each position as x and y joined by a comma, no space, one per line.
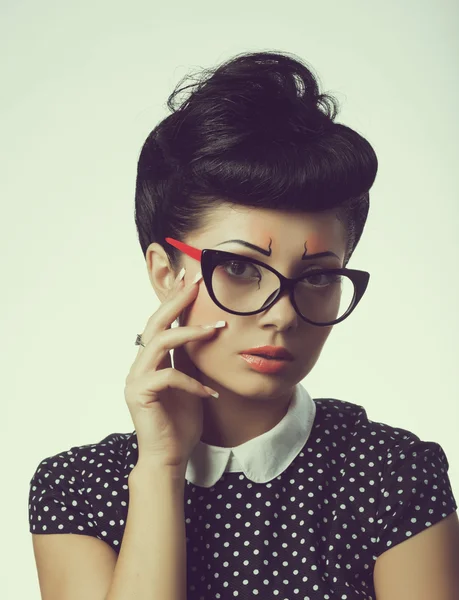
138,340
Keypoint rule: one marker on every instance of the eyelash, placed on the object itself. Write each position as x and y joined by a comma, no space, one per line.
307,270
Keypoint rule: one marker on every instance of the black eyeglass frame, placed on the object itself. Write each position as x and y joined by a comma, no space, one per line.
210,259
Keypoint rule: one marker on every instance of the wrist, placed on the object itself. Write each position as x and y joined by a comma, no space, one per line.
146,469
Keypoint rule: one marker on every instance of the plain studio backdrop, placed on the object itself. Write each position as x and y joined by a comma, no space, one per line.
82,85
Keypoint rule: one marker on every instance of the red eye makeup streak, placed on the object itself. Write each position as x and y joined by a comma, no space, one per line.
269,251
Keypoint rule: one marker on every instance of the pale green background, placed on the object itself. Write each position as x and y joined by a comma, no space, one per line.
82,84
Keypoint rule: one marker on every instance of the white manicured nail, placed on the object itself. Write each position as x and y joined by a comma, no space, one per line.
215,326
198,277
181,275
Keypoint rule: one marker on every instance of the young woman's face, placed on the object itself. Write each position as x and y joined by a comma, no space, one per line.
287,237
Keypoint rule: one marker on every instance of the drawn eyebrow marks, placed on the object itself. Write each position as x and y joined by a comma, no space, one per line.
268,252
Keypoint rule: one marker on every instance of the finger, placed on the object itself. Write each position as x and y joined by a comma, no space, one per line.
155,324
178,283
148,387
158,348
168,312
170,309
183,362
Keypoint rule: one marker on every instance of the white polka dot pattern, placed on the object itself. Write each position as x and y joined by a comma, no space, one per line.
357,488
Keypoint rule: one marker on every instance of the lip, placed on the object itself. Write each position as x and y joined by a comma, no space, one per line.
275,352
265,365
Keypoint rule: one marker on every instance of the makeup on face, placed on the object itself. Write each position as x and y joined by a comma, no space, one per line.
268,252
265,365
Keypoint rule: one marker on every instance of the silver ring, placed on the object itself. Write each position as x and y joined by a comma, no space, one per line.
138,340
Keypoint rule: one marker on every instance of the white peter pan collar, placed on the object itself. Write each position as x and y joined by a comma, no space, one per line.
263,458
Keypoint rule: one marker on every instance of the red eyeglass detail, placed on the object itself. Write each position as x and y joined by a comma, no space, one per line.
189,250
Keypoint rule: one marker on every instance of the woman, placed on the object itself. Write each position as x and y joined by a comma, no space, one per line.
250,201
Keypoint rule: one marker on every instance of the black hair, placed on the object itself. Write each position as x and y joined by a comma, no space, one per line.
254,131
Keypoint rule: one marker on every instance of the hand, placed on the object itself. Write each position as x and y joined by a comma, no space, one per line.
165,403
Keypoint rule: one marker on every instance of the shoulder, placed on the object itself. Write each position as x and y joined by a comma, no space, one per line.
80,460
414,490
72,491
355,426
413,508
392,449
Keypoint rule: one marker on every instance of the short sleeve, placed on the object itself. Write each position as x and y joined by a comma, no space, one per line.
57,499
415,494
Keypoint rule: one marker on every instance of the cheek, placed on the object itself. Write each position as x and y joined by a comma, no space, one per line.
319,336
203,311
315,343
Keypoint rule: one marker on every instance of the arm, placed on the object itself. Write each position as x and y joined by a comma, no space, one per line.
423,567
152,561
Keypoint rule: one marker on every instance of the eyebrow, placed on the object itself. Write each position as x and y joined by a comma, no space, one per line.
268,252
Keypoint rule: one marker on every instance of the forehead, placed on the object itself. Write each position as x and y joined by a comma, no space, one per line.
288,231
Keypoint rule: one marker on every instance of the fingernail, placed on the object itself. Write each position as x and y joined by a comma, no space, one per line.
181,275
215,326
212,392
198,277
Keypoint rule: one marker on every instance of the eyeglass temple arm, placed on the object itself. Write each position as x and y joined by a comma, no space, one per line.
188,250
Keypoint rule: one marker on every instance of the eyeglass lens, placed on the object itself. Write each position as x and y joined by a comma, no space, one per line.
242,286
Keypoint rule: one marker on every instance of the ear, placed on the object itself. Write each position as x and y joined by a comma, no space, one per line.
160,272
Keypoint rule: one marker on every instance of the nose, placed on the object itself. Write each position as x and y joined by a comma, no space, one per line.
284,310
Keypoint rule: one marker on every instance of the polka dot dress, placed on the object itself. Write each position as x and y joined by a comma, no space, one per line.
355,489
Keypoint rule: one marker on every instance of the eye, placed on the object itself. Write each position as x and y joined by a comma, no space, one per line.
321,280
238,269
318,277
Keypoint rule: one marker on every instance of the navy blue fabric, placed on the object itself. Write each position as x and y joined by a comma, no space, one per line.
356,489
